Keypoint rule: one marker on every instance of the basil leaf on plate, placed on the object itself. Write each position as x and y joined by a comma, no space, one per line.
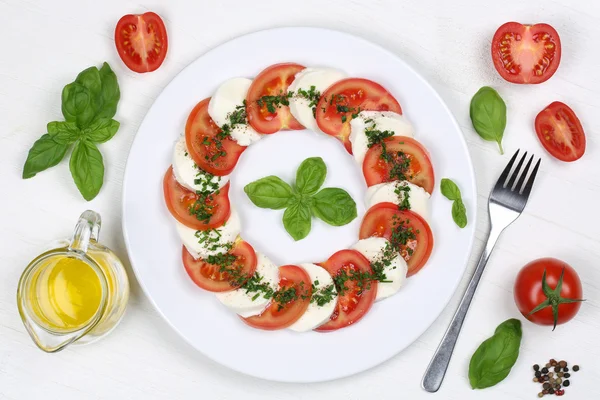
297,220
44,153
449,189
102,130
269,192
310,175
334,206
494,358
459,213
87,169
63,132
488,115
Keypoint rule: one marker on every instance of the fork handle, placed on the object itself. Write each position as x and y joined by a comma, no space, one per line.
434,375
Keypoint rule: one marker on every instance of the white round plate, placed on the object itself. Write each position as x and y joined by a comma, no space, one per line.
155,250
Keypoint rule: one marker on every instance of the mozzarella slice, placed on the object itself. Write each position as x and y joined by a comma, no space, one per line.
375,120
316,315
394,192
321,79
223,103
201,244
189,175
243,303
373,248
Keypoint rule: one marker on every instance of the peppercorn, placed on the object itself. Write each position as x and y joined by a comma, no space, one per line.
557,369
536,380
559,381
546,385
545,391
575,368
540,394
544,370
566,369
566,383
559,392
552,360
548,365
560,374
538,374
567,375
551,374
546,378
562,364
550,391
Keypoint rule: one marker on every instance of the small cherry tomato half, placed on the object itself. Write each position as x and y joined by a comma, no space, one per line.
185,206
560,132
548,292
267,99
235,268
141,41
289,302
526,53
345,99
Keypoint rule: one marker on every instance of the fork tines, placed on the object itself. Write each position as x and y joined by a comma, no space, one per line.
507,180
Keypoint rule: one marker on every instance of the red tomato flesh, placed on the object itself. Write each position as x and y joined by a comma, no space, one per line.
141,41
560,132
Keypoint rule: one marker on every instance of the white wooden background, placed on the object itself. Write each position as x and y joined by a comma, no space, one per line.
44,44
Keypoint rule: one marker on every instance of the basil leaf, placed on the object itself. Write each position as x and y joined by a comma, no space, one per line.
334,206
110,92
78,104
101,130
459,213
449,189
90,79
488,115
494,358
44,153
297,220
63,132
310,175
87,169
269,192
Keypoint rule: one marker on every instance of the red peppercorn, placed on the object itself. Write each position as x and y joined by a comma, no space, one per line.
559,392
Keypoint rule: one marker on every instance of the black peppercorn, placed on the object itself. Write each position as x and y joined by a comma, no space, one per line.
538,374
566,369
536,367
544,370
566,375
575,368
566,383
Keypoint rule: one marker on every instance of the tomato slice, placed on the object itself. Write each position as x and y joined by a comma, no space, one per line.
209,148
526,53
182,201
267,101
406,159
354,301
560,132
349,97
408,232
222,278
141,41
277,315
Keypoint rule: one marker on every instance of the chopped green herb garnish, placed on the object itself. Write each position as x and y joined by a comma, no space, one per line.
403,193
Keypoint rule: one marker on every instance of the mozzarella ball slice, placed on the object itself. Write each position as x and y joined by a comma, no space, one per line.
316,315
189,175
201,244
395,271
395,192
321,79
375,120
227,99
245,304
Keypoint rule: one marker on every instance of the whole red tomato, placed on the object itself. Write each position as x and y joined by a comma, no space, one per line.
548,292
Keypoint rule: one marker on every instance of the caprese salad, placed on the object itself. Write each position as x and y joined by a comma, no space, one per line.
395,239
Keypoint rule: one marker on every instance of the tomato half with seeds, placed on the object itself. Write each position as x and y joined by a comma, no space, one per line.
235,268
526,53
210,149
407,231
406,159
141,41
295,291
356,298
186,206
267,99
348,97
560,132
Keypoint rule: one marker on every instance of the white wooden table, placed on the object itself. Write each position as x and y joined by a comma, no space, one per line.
46,43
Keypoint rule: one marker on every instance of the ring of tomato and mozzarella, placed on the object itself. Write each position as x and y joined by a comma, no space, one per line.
230,98
369,121
189,175
316,315
396,192
374,250
307,88
201,244
247,304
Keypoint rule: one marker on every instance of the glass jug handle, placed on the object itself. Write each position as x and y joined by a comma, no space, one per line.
87,228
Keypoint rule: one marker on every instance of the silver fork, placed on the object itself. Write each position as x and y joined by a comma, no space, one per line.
505,204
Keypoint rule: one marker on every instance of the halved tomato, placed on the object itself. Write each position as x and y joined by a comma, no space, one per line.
348,97
405,159
193,210
141,41
209,147
227,272
357,296
526,53
289,303
267,100
407,231
560,132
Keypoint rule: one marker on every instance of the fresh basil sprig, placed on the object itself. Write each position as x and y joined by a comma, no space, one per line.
488,115
88,105
452,192
303,201
494,358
